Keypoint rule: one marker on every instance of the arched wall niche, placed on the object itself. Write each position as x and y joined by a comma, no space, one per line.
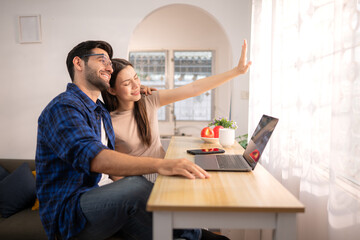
186,27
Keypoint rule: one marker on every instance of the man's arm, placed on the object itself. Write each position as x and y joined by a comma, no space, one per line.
119,164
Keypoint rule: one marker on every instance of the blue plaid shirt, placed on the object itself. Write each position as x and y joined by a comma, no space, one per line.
69,130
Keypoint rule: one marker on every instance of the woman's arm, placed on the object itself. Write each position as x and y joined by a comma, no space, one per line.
202,85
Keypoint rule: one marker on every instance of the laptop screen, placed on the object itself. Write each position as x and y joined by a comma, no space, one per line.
259,139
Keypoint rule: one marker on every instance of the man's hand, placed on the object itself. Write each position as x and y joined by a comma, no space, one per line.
243,66
182,167
146,90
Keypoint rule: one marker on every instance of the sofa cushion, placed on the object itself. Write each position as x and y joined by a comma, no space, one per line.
17,191
3,173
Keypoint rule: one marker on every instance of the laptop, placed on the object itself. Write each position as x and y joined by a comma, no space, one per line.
247,161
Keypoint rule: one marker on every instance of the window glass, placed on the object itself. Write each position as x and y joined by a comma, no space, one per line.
188,67
150,67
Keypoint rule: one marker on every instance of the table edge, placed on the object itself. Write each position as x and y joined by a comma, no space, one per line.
226,209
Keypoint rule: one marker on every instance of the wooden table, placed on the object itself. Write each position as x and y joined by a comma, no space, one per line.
228,200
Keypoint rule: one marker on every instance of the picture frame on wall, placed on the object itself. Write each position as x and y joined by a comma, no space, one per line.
30,29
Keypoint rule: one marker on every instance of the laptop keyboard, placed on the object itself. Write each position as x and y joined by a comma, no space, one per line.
231,161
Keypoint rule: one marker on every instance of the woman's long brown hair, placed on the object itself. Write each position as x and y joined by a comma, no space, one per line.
111,103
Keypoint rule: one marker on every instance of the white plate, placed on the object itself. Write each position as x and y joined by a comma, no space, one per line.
210,140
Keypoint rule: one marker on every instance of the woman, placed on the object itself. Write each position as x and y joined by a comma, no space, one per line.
134,116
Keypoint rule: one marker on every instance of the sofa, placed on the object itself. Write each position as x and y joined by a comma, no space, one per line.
26,223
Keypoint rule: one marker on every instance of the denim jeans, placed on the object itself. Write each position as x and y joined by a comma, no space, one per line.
119,209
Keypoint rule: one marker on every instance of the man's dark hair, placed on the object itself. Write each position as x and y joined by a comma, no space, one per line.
85,48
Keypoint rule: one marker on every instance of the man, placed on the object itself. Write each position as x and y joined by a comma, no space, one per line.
75,145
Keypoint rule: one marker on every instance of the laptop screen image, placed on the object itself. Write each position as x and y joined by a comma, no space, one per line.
259,139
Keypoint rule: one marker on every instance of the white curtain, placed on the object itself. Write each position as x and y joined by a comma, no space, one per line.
306,72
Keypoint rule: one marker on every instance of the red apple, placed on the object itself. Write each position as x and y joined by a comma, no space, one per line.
207,132
216,131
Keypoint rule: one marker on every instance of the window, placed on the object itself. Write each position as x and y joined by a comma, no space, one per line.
157,70
190,66
150,67
314,80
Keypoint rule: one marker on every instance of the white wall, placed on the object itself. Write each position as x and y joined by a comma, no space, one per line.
32,74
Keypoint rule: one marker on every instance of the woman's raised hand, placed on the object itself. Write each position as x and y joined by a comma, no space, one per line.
243,66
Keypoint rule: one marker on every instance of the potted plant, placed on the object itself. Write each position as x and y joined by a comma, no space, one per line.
225,130
224,122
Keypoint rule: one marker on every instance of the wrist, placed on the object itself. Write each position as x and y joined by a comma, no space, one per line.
157,164
235,72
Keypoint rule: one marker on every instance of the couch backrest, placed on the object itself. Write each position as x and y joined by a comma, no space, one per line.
11,164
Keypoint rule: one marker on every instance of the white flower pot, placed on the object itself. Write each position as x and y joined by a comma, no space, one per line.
226,137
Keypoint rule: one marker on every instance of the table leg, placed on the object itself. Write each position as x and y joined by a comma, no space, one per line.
162,225
285,227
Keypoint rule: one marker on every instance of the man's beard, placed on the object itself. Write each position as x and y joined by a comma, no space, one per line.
92,77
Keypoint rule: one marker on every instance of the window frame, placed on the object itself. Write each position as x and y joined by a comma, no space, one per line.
170,80
212,91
